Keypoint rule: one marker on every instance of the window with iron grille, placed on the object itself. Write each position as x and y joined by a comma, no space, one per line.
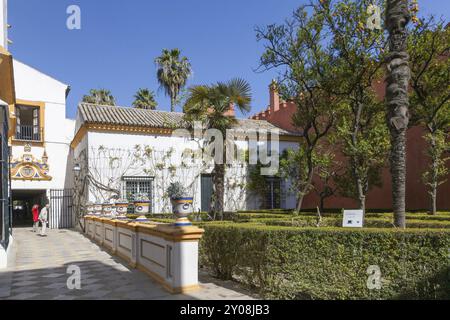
135,185
28,123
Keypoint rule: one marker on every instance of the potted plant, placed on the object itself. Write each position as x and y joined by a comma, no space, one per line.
141,206
121,208
181,203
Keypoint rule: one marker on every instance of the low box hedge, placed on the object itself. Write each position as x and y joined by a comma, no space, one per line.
248,217
337,222
329,263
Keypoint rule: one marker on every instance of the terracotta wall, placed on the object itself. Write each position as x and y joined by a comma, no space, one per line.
280,114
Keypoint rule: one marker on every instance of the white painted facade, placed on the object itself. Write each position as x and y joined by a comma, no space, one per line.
4,24
236,195
34,86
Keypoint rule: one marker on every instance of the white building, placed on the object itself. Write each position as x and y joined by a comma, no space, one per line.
39,136
40,139
123,151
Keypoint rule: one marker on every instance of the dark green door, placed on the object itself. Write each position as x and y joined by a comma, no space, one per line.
206,191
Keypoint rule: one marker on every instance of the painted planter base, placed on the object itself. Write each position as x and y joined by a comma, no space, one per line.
173,248
182,222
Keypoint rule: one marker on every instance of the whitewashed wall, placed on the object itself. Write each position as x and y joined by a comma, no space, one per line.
4,24
95,143
33,85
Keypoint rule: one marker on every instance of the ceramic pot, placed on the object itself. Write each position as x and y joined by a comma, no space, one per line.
141,208
121,210
98,209
107,209
182,208
89,209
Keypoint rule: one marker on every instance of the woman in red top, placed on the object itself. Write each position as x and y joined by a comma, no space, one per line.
35,211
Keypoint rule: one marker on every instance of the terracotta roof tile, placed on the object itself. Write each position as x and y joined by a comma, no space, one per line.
99,114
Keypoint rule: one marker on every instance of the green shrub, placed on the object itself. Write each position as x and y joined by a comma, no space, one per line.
337,222
251,216
329,263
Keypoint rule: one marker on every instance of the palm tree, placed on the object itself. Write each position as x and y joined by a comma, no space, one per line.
101,97
173,72
145,99
398,76
210,105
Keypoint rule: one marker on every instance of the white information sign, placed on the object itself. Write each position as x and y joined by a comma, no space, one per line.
353,218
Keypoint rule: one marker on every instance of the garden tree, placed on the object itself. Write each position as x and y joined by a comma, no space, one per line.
100,97
328,172
397,101
145,99
296,49
209,104
173,72
429,49
357,62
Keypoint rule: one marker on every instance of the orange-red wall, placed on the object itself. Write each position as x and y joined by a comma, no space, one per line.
378,198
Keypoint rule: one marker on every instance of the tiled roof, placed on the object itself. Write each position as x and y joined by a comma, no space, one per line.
98,114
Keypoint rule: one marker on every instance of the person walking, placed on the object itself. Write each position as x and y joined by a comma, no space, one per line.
43,217
35,212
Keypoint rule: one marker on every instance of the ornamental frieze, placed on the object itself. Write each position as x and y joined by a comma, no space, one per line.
27,167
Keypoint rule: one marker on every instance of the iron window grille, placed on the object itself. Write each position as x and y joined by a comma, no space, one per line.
135,185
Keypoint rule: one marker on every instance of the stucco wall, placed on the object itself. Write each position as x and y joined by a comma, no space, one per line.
34,86
417,197
236,195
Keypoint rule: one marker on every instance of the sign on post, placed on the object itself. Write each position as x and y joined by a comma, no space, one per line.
353,218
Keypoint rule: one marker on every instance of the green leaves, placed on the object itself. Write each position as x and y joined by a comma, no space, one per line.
100,97
173,72
210,103
145,99
294,263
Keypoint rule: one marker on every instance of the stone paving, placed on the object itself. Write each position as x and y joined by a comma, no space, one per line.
39,272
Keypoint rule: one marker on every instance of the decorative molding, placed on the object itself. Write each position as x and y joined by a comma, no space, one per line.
27,167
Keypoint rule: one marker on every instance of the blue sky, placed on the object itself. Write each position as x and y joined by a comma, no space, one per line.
119,40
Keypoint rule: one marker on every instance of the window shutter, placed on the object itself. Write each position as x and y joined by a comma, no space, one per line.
18,121
35,121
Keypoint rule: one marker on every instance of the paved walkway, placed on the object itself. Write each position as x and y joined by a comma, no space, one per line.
40,272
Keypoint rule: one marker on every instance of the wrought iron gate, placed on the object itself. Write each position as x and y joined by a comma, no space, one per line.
5,183
61,215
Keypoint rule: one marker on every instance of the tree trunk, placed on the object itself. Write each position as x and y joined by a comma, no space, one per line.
434,175
172,102
218,178
361,195
304,191
397,103
322,204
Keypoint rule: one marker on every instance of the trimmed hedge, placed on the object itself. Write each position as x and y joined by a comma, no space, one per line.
329,263
337,222
248,217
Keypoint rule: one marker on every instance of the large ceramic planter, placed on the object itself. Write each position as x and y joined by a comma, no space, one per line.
89,209
121,210
141,208
98,209
182,208
107,209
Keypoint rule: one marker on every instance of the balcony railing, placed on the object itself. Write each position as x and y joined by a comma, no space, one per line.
29,133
